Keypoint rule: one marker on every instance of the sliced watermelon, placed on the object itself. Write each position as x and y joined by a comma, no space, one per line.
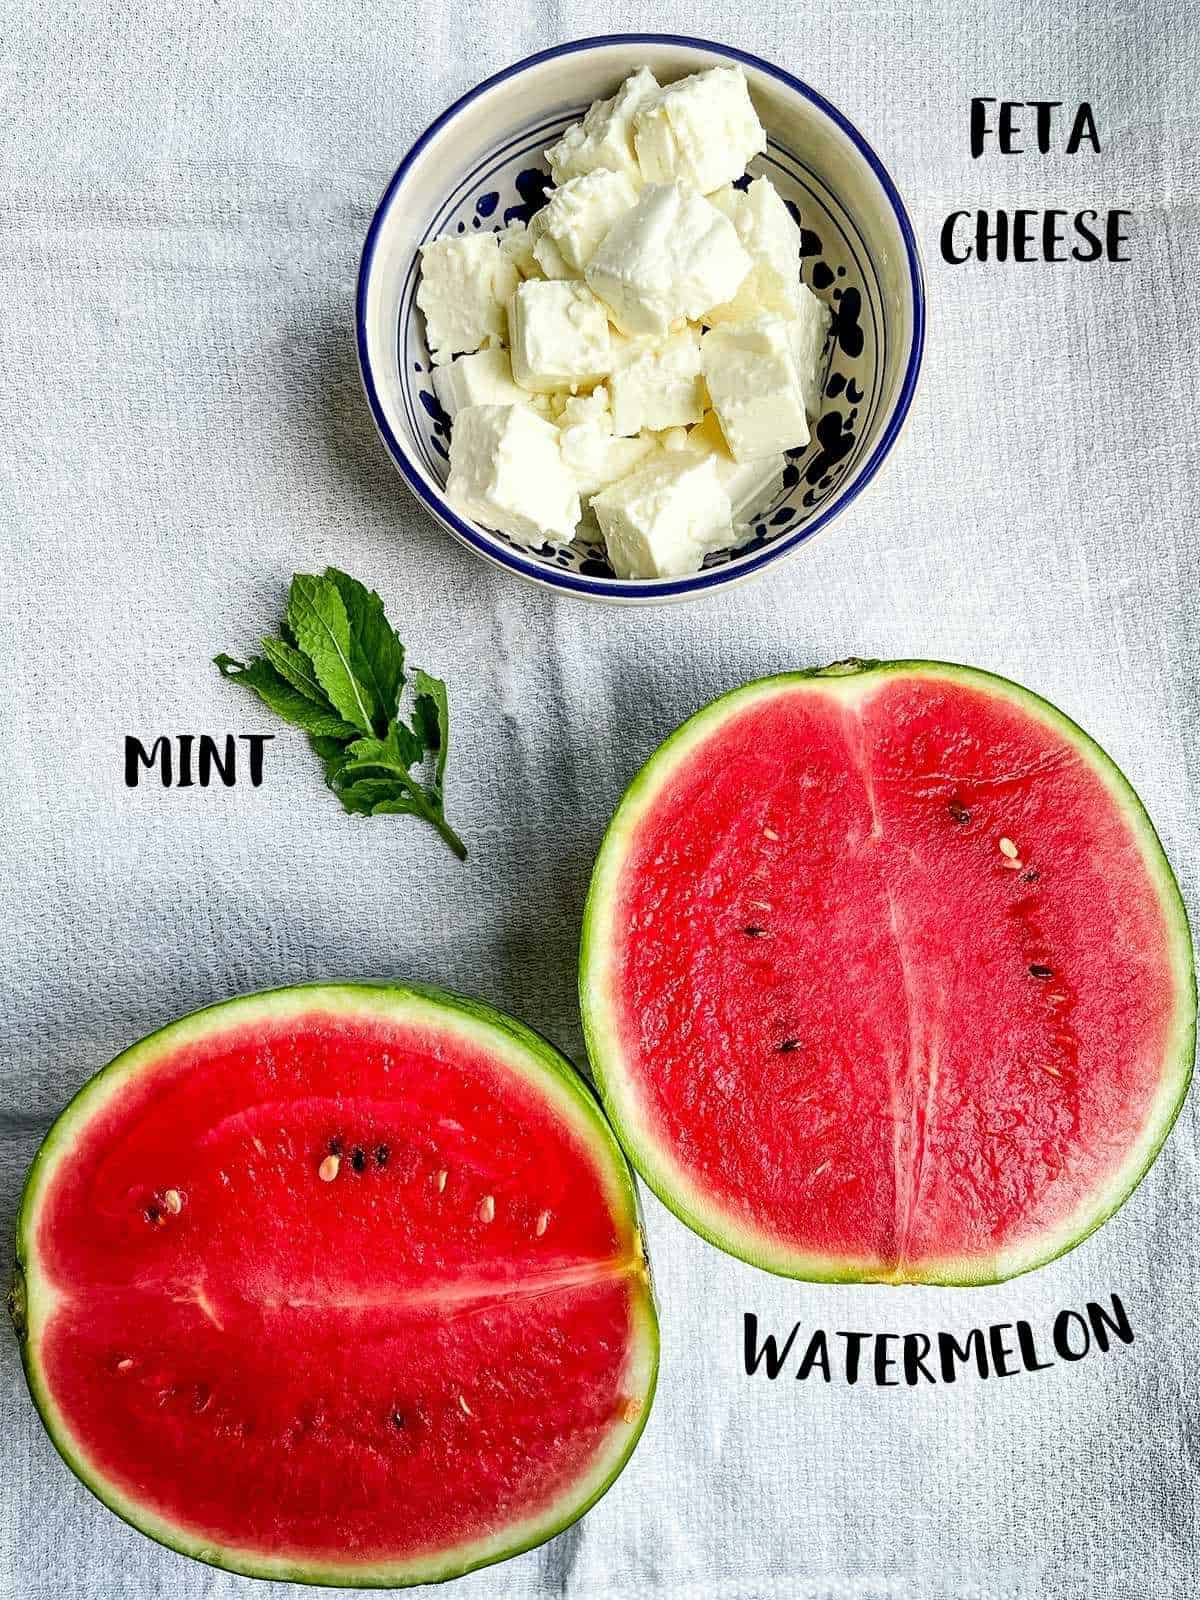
885,976
341,1284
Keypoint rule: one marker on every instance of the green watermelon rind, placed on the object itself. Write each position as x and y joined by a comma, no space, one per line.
675,1189
544,1060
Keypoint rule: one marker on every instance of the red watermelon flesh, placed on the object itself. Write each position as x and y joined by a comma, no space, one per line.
885,976
431,1358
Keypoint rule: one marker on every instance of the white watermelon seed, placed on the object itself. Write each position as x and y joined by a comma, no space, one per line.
487,1208
769,833
1009,849
124,1364
462,1400
173,1201
543,1222
328,1170
440,1180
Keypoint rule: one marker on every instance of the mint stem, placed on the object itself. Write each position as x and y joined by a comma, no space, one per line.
451,838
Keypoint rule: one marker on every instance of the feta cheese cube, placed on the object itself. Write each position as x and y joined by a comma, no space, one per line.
749,484
559,334
752,377
572,408
771,238
673,255
809,329
593,454
658,386
588,531
507,472
576,217
701,131
465,285
482,379
516,243
728,201
662,520
605,136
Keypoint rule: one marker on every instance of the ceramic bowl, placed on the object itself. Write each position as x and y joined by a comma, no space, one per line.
480,165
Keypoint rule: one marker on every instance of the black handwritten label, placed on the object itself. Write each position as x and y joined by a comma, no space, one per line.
1026,127
892,1360
188,760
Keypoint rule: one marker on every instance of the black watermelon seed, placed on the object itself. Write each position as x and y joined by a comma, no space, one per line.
958,812
1032,875
397,1419
358,1159
381,1155
753,932
153,1215
335,1146
1037,970
789,1045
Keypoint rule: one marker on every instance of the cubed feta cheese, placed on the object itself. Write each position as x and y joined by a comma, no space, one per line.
605,136
809,329
671,438
507,472
594,456
771,237
516,243
659,386
701,131
559,334
673,255
662,520
482,379
750,485
750,369
572,408
728,201
588,531
465,285
576,217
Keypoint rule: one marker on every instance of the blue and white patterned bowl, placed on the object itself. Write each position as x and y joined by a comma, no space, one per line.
480,165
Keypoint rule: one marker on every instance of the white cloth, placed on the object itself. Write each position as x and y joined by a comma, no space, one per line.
185,190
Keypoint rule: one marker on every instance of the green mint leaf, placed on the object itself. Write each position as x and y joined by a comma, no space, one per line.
376,654
368,796
293,665
431,719
336,669
333,757
283,699
328,749
372,758
400,749
377,758
317,618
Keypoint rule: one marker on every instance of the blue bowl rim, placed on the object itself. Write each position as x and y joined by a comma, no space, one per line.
653,588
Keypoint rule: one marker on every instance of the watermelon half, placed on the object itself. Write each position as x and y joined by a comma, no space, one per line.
885,976
341,1284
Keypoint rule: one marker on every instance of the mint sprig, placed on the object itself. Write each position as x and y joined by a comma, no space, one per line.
337,672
